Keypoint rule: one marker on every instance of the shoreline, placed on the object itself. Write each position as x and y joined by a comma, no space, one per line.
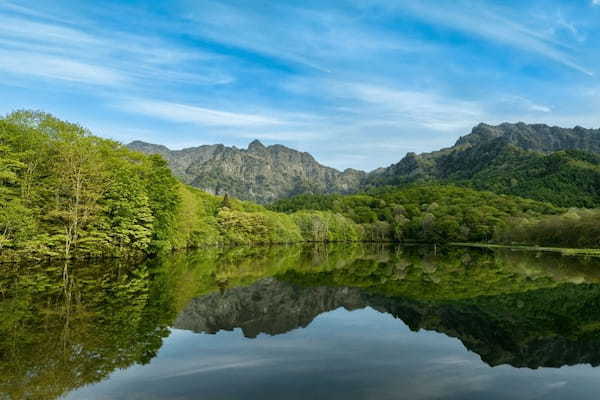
563,250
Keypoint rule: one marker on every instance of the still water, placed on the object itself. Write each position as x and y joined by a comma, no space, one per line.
305,322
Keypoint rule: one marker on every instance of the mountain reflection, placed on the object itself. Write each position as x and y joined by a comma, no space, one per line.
535,316
61,333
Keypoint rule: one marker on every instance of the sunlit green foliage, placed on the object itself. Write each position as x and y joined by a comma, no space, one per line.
426,213
577,228
65,193
321,226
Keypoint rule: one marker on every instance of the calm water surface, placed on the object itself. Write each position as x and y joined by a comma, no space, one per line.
305,322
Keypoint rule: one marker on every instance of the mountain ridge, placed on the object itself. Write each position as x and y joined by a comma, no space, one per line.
258,173
267,173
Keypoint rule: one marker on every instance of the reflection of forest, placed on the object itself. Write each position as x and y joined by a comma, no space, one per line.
517,308
57,335
539,328
522,309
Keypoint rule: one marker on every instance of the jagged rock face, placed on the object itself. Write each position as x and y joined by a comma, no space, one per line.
536,137
275,307
258,173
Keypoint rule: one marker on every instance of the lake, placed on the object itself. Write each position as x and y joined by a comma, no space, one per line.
334,321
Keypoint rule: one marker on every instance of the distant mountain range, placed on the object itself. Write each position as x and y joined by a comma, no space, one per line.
538,161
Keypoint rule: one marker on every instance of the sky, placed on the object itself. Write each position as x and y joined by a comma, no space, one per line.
357,83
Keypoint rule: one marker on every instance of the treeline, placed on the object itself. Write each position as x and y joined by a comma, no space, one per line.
209,220
65,193
435,213
577,228
424,213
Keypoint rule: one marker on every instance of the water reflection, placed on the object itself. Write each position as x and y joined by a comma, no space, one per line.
57,335
509,308
542,328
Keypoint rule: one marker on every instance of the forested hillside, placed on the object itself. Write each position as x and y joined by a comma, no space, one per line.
550,164
424,213
65,193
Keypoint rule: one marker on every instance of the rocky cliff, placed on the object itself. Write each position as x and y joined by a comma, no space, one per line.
258,173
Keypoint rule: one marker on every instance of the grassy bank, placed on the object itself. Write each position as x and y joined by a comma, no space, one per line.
562,250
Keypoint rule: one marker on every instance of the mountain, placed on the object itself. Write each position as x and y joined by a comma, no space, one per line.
258,173
537,161
537,137
553,164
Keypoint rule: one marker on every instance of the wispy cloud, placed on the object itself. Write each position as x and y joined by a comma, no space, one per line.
520,104
25,29
45,66
318,39
397,107
32,46
184,113
283,135
217,367
486,21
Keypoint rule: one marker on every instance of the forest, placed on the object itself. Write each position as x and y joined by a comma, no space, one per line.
65,193
429,213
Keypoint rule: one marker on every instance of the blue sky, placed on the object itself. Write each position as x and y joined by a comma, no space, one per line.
358,83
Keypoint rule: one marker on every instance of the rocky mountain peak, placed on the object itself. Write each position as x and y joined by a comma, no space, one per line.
256,146
259,173
536,137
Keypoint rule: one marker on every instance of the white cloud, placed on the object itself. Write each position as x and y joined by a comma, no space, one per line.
51,67
427,109
520,105
25,29
489,23
317,39
184,113
31,46
540,108
282,135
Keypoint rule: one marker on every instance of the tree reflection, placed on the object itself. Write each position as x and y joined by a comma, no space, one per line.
60,334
